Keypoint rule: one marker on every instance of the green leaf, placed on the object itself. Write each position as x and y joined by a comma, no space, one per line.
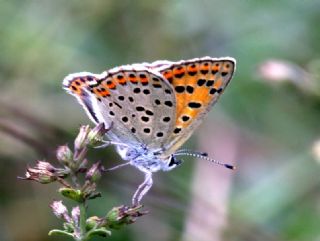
73,194
60,232
68,227
102,232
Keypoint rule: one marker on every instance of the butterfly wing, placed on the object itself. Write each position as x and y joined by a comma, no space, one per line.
198,83
137,101
158,105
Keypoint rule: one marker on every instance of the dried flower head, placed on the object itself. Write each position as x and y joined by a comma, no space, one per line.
44,173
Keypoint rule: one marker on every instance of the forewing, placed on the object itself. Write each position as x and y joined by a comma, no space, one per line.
138,102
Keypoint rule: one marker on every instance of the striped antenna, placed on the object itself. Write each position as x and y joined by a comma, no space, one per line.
202,155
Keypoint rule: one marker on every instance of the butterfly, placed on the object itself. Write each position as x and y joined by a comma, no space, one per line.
152,108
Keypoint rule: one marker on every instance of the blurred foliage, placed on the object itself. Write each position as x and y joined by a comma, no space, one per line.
275,191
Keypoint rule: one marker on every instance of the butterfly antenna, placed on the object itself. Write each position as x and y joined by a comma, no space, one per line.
183,151
203,155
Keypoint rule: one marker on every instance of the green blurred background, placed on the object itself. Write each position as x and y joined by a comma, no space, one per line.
266,122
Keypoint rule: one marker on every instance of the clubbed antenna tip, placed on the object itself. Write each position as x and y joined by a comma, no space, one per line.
230,166
202,155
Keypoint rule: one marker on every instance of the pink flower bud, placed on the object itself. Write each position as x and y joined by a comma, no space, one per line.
64,155
60,210
81,140
94,173
75,214
45,166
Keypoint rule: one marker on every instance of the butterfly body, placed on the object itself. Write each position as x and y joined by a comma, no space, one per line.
144,159
151,108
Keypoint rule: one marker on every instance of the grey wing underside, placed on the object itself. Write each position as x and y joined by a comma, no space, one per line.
139,112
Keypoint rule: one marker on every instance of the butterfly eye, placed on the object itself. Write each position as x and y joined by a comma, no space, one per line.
174,162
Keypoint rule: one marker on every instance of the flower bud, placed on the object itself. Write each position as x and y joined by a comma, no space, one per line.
75,214
96,135
43,173
41,176
123,215
83,166
64,155
60,210
93,222
89,190
81,140
43,165
94,173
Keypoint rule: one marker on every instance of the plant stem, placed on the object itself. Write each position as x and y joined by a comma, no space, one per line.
74,179
83,217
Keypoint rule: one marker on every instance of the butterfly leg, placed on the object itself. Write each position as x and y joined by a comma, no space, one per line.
142,189
108,143
116,167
